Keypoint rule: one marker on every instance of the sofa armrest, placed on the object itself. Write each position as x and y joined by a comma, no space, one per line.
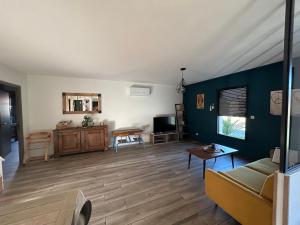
244,205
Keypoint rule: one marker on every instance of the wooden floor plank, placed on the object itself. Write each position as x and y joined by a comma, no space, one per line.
134,187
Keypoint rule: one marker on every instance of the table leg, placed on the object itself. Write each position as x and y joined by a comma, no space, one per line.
232,160
215,159
204,167
141,141
116,145
114,142
190,156
47,152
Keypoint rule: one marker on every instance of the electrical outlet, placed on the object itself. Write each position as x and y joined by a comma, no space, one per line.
252,117
196,134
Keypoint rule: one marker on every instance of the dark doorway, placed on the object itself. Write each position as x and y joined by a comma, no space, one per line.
11,130
5,124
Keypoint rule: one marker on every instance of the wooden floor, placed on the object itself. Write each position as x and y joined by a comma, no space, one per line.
136,186
11,163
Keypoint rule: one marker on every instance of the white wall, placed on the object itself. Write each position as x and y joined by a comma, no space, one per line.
118,108
16,78
293,201
286,198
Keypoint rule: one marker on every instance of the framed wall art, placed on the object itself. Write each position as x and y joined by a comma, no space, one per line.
200,101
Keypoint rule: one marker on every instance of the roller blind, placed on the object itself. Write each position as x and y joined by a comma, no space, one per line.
233,102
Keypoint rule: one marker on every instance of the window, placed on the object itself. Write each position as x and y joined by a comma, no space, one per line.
232,112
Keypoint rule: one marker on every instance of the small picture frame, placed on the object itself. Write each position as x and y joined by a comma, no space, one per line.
276,103
200,101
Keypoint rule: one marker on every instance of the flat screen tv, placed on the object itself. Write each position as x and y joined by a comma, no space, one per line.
164,124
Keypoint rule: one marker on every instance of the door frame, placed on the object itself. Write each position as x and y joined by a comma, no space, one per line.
18,93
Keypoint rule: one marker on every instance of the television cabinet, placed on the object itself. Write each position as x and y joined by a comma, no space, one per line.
163,137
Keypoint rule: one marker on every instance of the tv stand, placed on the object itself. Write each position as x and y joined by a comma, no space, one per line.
163,137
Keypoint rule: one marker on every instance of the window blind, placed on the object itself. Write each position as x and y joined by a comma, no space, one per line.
233,102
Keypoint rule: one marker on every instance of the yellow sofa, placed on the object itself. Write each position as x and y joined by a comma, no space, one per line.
246,193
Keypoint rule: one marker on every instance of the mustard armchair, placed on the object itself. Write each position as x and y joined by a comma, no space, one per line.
241,201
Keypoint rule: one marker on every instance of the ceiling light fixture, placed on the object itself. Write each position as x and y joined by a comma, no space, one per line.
180,87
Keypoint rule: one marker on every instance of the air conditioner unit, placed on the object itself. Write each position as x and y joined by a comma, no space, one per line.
139,90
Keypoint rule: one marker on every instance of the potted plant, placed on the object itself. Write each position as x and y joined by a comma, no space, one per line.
87,121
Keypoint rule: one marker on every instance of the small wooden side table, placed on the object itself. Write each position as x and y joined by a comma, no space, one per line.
205,153
43,139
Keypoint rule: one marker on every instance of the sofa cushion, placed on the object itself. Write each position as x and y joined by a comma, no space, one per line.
265,166
247,177
267,189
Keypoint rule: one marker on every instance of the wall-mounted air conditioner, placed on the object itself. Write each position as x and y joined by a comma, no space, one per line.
136,90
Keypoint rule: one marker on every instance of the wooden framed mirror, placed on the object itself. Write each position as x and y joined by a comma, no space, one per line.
81,103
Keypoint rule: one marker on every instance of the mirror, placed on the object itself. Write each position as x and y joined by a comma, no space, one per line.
81,103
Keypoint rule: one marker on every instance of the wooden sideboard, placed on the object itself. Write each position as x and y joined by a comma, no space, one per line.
80,139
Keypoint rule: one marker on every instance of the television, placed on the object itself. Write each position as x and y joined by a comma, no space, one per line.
164,124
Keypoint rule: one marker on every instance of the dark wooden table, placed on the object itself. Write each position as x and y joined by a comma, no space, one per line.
206,152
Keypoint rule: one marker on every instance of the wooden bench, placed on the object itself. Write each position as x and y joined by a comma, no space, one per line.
127,133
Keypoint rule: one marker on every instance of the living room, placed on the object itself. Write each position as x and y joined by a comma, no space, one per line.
149,112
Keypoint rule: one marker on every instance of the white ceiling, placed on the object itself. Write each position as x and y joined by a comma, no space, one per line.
140,40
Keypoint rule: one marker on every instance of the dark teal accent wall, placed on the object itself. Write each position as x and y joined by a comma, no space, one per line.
263,133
